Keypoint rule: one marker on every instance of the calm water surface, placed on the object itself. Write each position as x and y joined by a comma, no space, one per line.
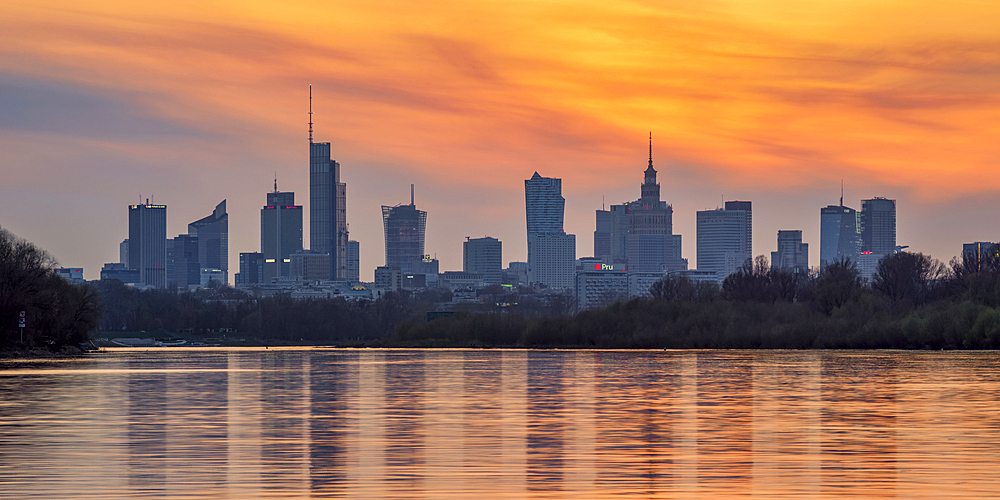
312,423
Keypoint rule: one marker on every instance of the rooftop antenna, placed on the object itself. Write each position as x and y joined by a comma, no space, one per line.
310,115
602,202
411,195
275,182
841,192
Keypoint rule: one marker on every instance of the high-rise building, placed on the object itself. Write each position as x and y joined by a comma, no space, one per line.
312,266
183,267
353,262
147,237
602,236
251,269
327,205
483,256
212,234
877,222
792,255
651,245
553,260
543,207
123,252
723,245
838,234
405,227
747,208
280,233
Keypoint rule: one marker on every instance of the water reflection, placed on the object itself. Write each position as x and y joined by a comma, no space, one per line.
300,423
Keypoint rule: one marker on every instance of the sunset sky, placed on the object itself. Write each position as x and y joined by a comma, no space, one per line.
770,101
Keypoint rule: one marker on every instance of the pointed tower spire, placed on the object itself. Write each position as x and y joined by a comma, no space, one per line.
310,113
650,149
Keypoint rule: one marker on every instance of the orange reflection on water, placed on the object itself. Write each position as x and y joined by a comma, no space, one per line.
234,424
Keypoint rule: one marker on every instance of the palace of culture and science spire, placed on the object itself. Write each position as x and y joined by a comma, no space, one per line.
639,234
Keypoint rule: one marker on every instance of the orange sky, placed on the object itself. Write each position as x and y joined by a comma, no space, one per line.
198,101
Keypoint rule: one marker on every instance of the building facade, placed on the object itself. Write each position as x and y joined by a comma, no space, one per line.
650,243
183,267
483,256
839,234
353,262
312,266
147,243
544,206
553,260
405,228
723,243
251,269
792,255
327,208
280,234
877,224
212,234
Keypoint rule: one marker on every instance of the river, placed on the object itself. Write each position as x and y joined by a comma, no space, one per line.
199,423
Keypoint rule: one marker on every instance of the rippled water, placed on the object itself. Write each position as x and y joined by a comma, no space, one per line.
312,423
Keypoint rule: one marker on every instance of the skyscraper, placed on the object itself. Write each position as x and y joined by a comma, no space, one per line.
747,208
543,206
553,260
183,268
792,255
147,243
878,226
723,244
651,245
483,256
251,269
353,262
551,252
327,205
405,227
602,236
280,233
838,234
212,234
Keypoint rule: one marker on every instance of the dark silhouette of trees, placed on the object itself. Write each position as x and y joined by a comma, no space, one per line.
757,281
907,279
57,313
836,285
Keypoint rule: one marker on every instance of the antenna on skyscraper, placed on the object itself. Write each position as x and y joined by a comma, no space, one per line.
841,192
310,116
275,182
411,194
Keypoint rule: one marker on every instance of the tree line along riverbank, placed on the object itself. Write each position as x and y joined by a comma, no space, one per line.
914,302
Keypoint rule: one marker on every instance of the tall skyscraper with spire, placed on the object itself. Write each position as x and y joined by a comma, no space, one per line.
651,245
327,205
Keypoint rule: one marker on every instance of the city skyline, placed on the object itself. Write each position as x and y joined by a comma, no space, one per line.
196,114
